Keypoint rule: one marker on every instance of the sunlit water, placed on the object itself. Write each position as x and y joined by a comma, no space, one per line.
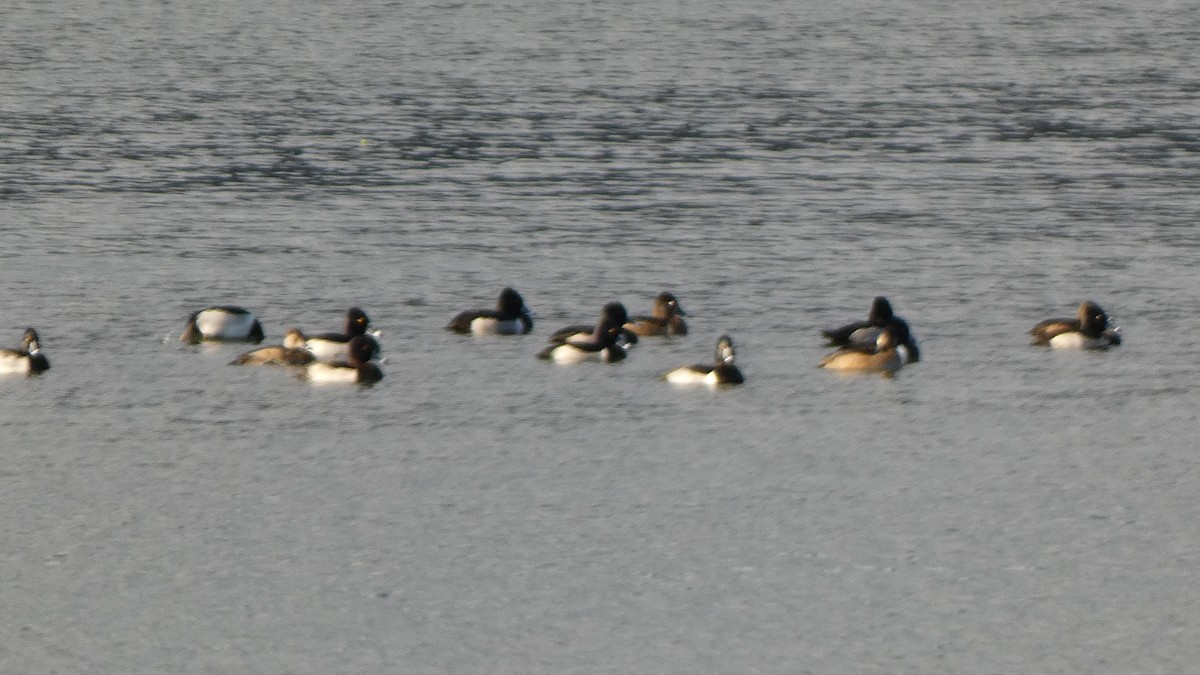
996,508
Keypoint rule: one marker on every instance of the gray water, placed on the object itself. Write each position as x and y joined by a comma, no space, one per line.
996,508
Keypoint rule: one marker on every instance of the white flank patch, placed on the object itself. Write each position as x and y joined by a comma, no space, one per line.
490,326
569,354
1077,340
484,326
329,351
323,373
13,363
687,375
216,324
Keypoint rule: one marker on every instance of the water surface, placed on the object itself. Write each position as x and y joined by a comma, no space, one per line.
995,508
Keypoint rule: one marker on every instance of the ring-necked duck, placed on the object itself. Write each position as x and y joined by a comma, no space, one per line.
602,346
223,323
667,318
28,359
291,353
511,317
356,369
722,371
882,358
865,333
613,312
333,347
1089,330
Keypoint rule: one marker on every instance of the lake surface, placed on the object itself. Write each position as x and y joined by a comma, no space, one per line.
996,508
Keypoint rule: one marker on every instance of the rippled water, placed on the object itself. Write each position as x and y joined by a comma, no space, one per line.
995,508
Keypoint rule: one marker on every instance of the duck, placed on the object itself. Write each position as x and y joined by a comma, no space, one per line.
865,333
882,358
613,312
291,353
666,318
511,317
1089,330
223,323
602,346
334,347
721,372
356,369
28,359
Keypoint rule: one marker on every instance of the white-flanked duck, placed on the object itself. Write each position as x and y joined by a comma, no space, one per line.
28,359
224,323
358,368
613,312
334,347
602,346
721,371
1089,330
511,317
